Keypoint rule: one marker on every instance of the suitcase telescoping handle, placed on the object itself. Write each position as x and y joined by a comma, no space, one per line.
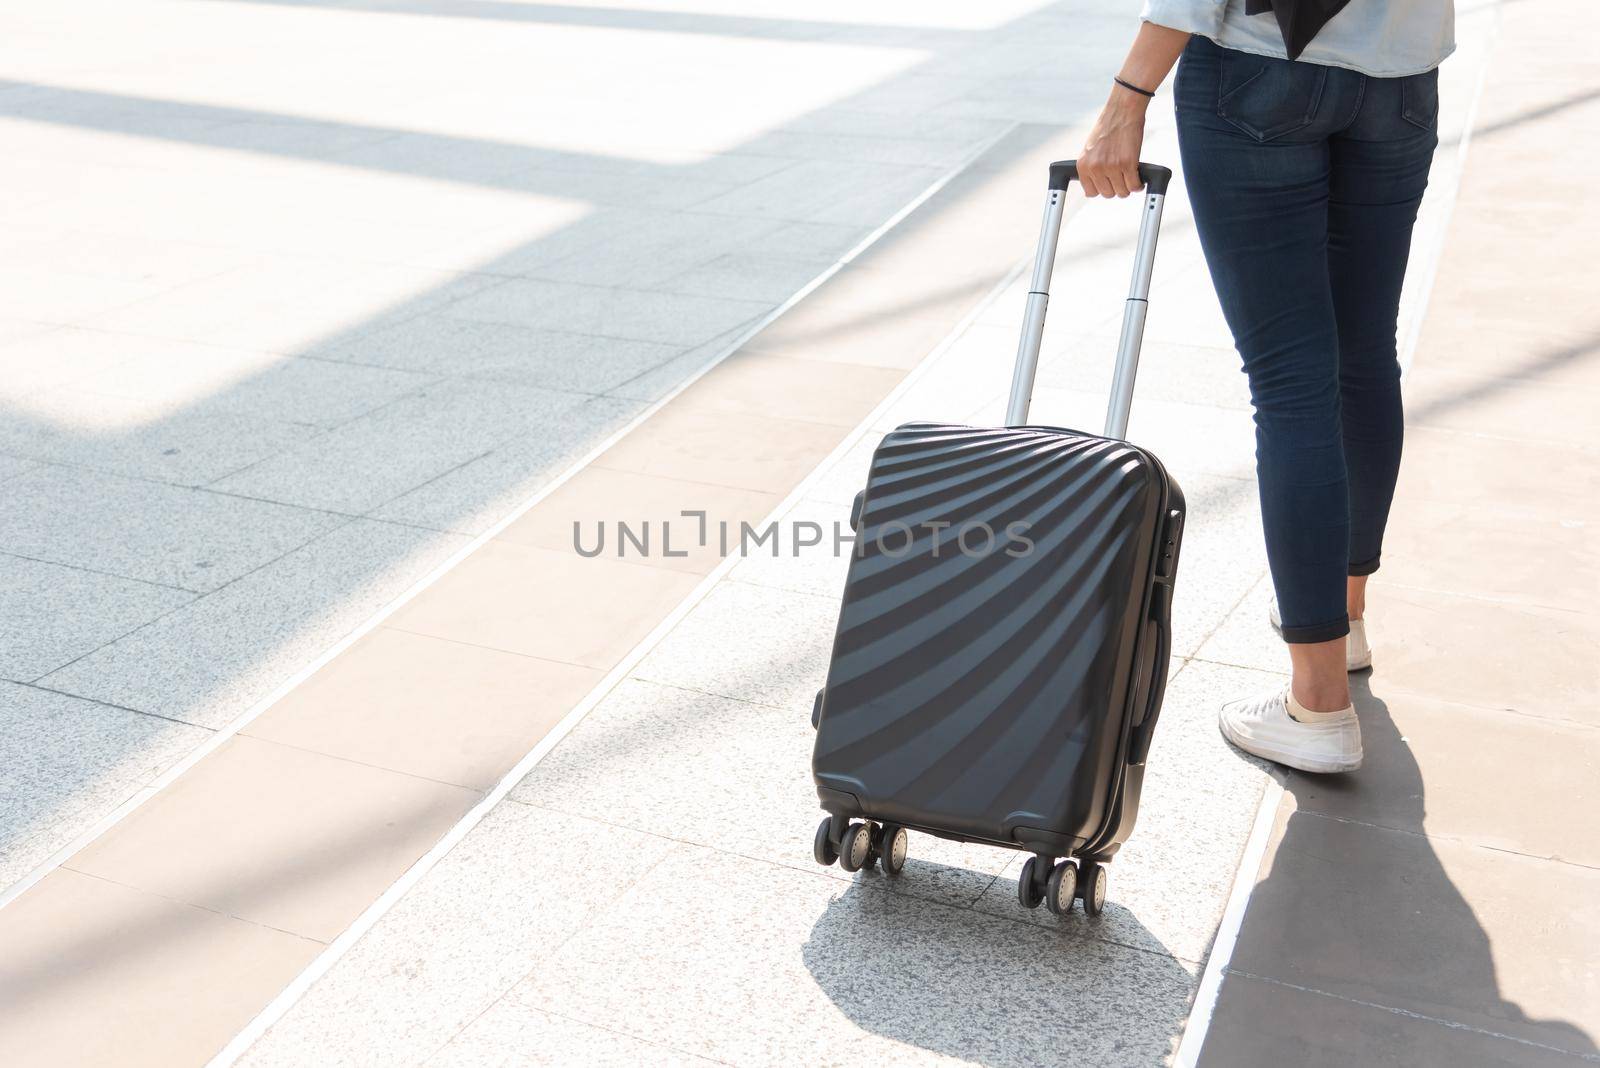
1155,194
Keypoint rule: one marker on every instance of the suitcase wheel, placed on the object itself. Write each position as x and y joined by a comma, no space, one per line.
893,842
1031,883
1092,887
855,850
1062,888
822,847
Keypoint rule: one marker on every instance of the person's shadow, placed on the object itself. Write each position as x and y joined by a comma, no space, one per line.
1359,948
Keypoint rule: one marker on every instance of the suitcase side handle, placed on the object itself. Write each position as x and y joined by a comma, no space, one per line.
1145,729
1160,617
1062,174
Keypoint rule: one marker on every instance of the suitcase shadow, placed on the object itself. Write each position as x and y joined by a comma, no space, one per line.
988,989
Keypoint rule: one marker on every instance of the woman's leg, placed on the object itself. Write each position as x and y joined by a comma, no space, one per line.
1262,210
1380,169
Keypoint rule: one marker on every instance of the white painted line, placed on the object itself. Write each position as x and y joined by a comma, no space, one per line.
156,785
1244,881
1244,884
336,949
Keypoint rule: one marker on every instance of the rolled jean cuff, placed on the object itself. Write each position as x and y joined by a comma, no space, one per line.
1365,567
1321,632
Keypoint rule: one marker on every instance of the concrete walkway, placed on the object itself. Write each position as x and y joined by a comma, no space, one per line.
645,891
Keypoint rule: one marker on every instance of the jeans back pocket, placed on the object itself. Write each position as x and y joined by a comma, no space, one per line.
1419,99
1266,97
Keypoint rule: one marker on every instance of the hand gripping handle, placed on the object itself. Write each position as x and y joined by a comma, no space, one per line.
1154,176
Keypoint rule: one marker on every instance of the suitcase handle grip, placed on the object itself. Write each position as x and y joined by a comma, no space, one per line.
1154,176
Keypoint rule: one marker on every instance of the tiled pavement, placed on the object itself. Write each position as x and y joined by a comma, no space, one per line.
645,894
277,337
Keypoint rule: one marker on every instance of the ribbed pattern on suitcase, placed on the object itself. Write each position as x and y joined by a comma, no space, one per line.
974,692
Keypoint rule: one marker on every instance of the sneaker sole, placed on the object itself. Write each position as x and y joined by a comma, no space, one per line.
1290,758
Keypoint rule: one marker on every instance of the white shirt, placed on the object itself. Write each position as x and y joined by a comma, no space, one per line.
1383,38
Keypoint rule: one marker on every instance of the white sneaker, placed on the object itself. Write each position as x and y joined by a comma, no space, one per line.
1279,729
1357,651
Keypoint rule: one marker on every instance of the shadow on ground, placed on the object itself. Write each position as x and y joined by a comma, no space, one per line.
1419,977
992,991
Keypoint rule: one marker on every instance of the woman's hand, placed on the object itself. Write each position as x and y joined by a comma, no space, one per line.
1108,166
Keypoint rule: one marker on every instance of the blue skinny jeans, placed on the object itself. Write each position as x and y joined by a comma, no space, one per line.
1305,182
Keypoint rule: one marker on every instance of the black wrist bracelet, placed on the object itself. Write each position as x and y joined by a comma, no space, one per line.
1133,88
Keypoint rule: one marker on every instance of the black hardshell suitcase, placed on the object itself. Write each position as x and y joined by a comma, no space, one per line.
1002,647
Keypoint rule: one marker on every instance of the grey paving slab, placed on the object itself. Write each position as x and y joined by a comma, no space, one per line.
645,315
31,361
1259,1023
372,460
69,761
12,466
208,661
751,643
1222,558
658,246
51,615
1168,371
261,385
801,968
503,900
658,381
817,570
474,496
1246,637
288,303
158,439
505,352
829,191
881,148
689,766
511,1034
756,275
174,535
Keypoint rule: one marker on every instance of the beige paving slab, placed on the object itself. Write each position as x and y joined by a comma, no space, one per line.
1493,654
429,707
1463,468
547,603
280,836
781,387
1448,770
1510,407
1493,940
93,973
599,501
720,447
1264,1024
1495,551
